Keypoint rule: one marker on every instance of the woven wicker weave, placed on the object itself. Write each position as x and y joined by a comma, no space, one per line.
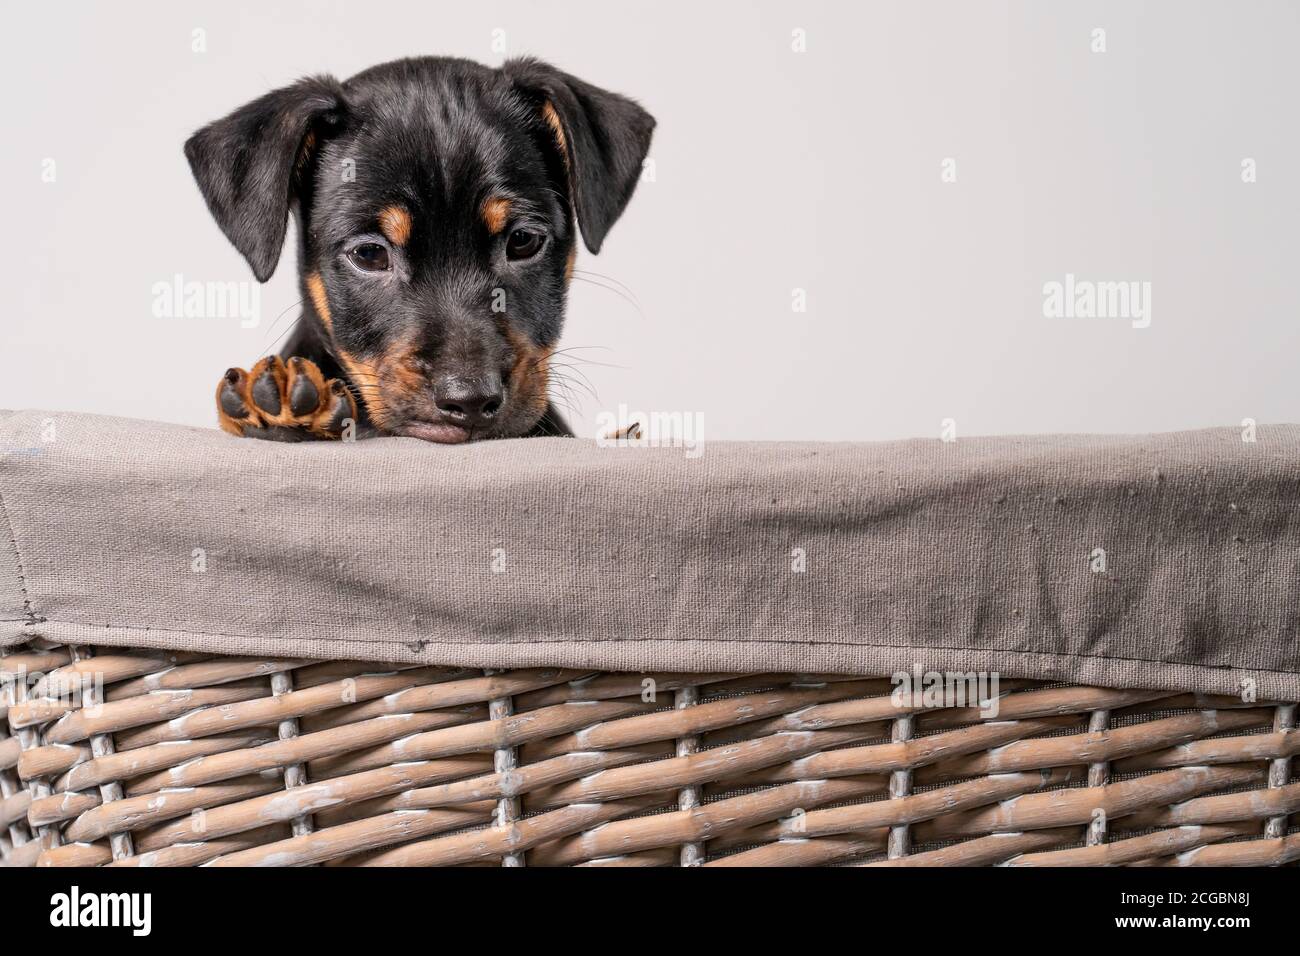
191,759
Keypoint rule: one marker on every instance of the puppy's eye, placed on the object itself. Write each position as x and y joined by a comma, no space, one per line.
524,244
369,257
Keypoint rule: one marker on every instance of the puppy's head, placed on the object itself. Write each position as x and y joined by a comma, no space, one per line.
438,204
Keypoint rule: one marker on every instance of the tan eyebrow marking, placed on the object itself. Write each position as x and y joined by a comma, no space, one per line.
395,224
496,212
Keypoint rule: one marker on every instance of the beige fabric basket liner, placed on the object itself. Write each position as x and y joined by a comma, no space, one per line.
1165,561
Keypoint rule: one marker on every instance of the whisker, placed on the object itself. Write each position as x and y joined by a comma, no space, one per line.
563,404
622,295
568,353
574,348
276,322
567,390
586,382
586,361
601,275
563,401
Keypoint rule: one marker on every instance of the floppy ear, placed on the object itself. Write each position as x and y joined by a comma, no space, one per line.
605,137
250,164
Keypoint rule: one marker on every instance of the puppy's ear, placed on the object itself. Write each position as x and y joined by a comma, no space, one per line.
251,164
605,138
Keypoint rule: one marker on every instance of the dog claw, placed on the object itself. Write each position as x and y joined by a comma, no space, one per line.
339,410
304,398
284,402
229,400
266,393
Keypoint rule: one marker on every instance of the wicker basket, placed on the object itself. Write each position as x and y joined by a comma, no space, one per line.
128,758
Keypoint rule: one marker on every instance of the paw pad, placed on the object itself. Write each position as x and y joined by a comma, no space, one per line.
284,401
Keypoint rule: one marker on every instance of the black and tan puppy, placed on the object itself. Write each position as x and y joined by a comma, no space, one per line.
436,202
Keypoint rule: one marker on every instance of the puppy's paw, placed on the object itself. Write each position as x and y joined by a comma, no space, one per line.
281,401
628,433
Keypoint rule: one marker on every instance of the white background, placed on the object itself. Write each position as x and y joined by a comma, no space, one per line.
774,170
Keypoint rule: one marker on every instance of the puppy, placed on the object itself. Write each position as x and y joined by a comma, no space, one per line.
438,203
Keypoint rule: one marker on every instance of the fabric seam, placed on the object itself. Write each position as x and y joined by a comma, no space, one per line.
30,614
425,642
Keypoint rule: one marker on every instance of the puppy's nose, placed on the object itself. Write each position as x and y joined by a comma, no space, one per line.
467,403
